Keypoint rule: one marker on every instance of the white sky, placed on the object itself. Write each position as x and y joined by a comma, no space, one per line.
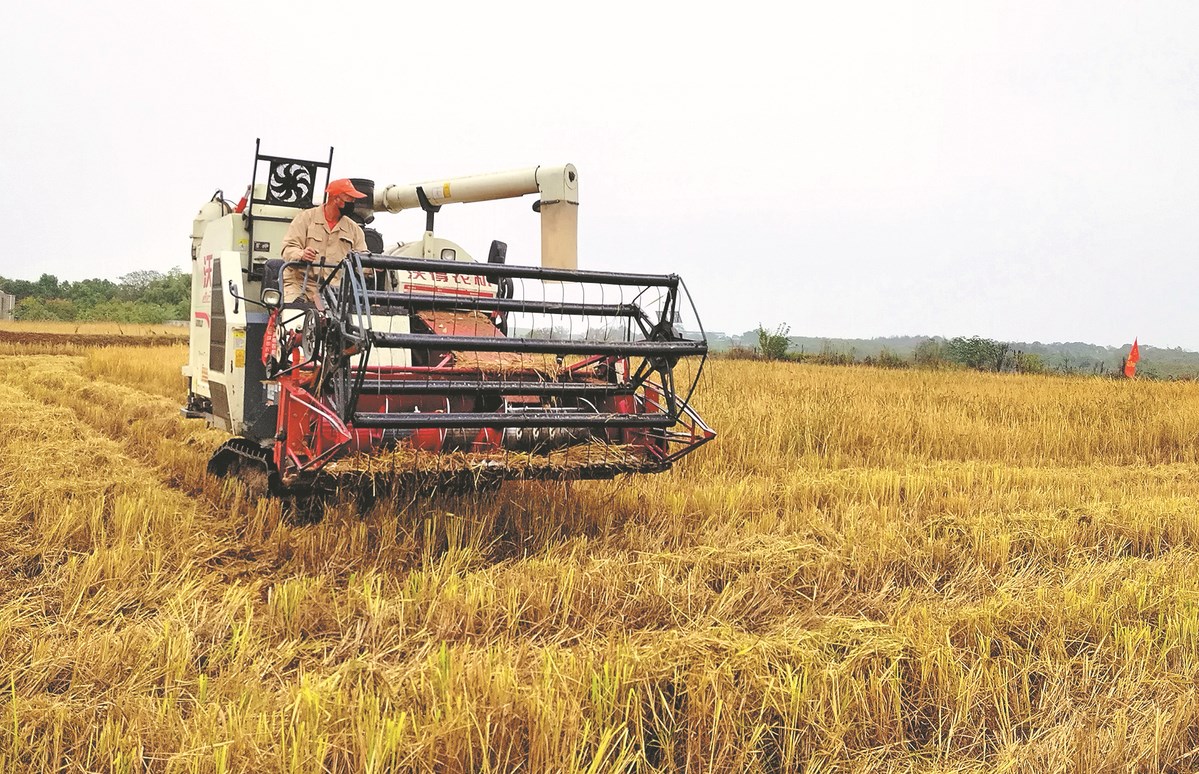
1019,170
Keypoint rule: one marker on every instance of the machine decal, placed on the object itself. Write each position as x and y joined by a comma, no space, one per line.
239,351
441,289
458,283
262,247
441,276
203,317
206,280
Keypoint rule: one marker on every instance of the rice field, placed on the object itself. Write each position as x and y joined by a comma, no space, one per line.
868,570
18,337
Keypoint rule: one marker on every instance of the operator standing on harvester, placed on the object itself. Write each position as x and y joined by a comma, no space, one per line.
321,234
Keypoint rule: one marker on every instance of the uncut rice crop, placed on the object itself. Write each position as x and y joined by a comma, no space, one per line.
869,570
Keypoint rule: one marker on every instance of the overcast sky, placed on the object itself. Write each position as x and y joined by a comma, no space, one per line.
1018,170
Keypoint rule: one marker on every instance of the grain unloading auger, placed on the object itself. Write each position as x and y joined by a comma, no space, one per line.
420,367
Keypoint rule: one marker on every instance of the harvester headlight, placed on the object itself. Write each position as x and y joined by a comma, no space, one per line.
271,298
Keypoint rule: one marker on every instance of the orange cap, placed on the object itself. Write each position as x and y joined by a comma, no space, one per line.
343,186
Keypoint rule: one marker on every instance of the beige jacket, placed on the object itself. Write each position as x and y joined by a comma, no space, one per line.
309,229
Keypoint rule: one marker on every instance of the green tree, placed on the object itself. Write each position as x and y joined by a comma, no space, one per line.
135,284
33,308
1029,363
773,346
931,353
19,288
978,353
47,286
141,296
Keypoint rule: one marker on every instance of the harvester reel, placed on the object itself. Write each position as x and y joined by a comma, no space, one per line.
518,415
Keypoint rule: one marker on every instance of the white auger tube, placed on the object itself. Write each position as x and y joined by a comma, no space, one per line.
557,186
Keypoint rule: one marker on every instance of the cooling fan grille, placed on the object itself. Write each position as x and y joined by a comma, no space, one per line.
291,184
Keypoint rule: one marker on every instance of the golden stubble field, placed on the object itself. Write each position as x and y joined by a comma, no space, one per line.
868,571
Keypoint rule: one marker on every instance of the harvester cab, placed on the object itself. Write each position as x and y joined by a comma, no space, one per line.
420,367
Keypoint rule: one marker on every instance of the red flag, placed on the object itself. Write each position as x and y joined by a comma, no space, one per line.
1130,363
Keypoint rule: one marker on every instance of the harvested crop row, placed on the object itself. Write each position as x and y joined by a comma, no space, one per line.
50,340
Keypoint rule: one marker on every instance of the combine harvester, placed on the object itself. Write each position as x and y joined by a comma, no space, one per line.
421,368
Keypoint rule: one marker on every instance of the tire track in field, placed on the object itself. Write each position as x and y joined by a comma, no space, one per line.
147,426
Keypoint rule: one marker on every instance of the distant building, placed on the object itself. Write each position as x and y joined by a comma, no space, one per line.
8,303
717,340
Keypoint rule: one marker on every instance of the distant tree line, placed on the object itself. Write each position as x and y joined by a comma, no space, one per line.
137,297
978,353
972,352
